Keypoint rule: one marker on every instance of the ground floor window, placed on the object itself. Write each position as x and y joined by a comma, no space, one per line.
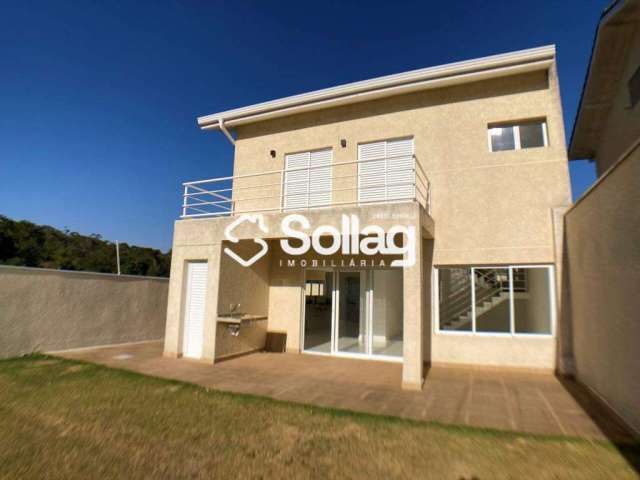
354,312
495,300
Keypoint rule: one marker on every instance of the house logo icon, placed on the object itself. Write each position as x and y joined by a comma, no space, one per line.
257,219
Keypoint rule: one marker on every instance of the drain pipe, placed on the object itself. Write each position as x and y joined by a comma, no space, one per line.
226,132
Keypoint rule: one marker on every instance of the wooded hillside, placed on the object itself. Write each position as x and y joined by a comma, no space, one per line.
26,244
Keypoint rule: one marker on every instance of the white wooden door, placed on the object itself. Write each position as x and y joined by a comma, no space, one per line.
193,332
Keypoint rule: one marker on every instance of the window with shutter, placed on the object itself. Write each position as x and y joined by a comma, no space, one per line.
386,171
307,179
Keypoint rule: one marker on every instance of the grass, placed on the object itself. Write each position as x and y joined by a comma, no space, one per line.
67,419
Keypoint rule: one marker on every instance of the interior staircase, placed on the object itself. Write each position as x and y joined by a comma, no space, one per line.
491,290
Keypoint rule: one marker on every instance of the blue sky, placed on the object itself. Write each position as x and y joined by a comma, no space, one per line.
99,99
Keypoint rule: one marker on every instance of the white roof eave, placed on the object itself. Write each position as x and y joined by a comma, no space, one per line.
432,77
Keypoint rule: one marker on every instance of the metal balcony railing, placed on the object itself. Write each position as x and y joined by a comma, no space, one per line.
272,191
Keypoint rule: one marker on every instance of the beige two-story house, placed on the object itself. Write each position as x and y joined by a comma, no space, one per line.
411,218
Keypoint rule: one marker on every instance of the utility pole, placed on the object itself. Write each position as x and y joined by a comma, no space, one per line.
118,255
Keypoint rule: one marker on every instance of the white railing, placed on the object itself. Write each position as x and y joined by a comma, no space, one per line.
265,191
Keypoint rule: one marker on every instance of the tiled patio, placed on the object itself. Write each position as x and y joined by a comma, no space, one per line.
527,402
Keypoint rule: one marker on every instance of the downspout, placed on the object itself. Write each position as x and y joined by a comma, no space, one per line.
226,132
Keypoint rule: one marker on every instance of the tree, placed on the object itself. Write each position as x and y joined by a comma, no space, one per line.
27,244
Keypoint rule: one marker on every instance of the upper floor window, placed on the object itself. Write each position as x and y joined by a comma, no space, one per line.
307,179
634,88
516,136
386,170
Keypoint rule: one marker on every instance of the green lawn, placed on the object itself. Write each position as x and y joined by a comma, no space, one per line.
65,419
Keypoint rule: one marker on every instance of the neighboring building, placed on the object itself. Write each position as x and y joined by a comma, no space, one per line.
471,155
602,229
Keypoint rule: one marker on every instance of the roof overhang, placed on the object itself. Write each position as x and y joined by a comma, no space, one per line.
602,81
427,78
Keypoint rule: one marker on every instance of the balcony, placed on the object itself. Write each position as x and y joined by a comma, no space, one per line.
353,183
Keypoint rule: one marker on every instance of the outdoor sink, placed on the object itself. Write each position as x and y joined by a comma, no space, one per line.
238,317
232,315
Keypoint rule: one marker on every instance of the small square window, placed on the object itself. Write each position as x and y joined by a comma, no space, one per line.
531,135
502,138
517,136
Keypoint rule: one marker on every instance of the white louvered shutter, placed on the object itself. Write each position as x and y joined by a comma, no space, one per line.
305,187
400,169
193,334
371,171
386,171
320,178
296,182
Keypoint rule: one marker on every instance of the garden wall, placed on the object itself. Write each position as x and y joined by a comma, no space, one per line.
47,310
602,288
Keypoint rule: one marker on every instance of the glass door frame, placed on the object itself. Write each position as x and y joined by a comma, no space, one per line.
365,304
367,276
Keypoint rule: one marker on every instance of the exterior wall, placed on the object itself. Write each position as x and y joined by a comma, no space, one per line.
499,351
601,265
265,288
48,310
252,337
622,126
286,301
488,207
187,248
247,286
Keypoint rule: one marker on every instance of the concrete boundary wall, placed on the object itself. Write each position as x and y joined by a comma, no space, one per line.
48,310
602,264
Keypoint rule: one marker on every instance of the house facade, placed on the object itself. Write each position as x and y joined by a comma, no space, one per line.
414,218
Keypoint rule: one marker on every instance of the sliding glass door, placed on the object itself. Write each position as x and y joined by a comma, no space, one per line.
354,312
387,313
318,310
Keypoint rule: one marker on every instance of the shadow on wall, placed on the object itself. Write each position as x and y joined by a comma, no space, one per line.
607,421
427,252
566,365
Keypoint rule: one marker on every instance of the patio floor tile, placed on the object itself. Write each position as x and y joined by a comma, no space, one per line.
508,400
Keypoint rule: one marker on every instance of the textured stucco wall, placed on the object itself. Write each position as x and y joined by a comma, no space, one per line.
252,337
48,310
505,351
602,264
247,286
622,126
489,207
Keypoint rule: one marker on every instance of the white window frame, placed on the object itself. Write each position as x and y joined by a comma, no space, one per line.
516,135
435,303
